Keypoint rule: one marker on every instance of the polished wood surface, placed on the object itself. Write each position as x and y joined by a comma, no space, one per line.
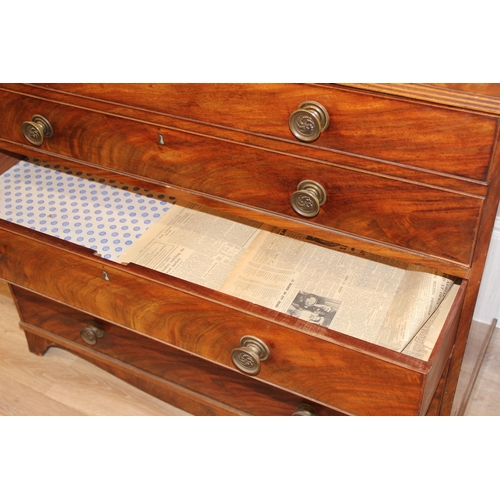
61,383
358,202
362,220
479,97
367,379
389,129
406,178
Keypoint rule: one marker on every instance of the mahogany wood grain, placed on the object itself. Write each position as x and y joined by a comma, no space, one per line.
38,345
424,219
479,97
440,357
436,404
475,89
288,148
352,375
412,170
293,223
448,140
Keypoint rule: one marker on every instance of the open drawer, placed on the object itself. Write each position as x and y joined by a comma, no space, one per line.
323,365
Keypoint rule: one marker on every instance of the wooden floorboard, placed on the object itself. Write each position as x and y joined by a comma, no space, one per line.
60,383
485,396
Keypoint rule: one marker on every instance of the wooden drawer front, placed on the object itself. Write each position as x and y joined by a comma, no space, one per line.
408,215
211,380
196,320
397,130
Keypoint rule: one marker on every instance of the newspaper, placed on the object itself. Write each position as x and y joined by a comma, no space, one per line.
423,342
377,299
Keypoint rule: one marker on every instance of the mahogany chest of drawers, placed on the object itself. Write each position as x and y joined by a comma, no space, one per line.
409,172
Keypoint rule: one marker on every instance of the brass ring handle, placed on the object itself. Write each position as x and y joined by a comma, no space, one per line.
304,410
91,333
308,121
37,130
248,356
308,198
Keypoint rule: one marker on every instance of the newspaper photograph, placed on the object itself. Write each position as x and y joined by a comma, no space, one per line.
376,299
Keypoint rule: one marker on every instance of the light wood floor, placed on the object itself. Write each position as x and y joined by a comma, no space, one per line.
485,396
60,383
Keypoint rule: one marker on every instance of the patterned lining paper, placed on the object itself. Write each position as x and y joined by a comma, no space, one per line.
105,216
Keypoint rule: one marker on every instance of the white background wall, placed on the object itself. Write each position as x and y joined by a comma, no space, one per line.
488,301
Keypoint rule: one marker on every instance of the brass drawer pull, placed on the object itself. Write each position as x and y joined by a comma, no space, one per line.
304,410
37,130
91,333
308,121
308,198
248,356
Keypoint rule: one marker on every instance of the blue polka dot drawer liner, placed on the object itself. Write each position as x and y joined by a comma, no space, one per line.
103,215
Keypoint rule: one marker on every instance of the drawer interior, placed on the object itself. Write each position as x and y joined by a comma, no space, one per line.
110,217
103,215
